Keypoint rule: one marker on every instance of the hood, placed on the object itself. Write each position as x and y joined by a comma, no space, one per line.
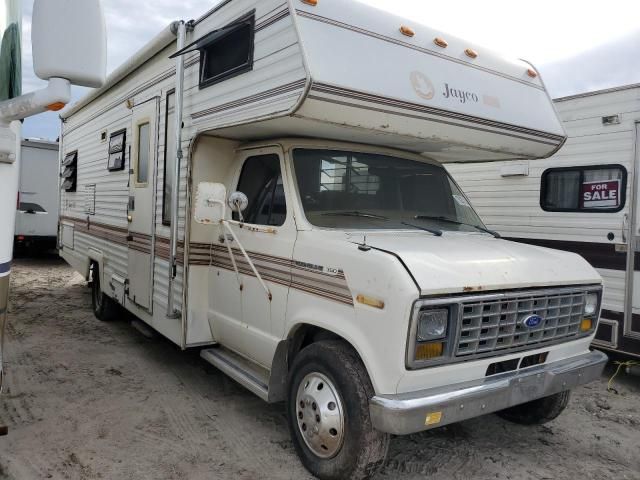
456,263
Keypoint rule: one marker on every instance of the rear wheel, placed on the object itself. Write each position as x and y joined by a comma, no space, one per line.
104,308
328,412
538,411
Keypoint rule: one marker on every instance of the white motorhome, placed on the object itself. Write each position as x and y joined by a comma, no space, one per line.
37,216
584,199
347,273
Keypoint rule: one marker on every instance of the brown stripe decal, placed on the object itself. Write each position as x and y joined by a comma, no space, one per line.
279,270
549,138
271,20
599,255
274,92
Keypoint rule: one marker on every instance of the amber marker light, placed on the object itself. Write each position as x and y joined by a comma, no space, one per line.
532,73
370,301
428,351
313,3
407,31
586,325
54,107
441,42
471,53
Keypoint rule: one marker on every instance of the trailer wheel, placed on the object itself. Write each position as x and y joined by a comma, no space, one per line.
538,411
328,413
104,308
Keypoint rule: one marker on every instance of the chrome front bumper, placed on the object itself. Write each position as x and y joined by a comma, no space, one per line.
417,411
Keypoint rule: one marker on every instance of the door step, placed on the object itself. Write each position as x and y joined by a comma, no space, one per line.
251,376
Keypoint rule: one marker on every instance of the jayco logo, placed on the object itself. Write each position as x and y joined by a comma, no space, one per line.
461,95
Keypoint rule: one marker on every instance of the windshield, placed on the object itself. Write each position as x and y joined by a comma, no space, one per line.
353,190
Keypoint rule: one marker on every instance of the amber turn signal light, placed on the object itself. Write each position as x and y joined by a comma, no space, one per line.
54,107
586,325
407,31
428,351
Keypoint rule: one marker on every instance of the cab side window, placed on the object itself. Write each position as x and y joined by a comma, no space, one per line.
261,182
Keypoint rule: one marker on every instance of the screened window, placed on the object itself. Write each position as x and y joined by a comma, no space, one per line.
261,182
169,156
228,52
117,143
584,189
142,170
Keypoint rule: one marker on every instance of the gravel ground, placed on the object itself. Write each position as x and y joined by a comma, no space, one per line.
88,400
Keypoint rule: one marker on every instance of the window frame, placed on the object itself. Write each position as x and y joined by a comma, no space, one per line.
232,27
122,132
136,145
581,169
238,178
166,222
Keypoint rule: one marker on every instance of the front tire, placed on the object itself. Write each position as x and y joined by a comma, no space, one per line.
104,308
537,412
328,413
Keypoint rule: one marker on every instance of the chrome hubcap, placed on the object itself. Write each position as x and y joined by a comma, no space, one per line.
320,415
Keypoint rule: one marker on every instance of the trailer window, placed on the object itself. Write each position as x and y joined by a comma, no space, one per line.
142,165
117,143
261,182
600,188
227,52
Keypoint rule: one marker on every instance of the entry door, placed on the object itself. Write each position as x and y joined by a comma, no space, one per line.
268,236
141,202
632,315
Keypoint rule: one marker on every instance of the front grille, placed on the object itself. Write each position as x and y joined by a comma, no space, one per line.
496,325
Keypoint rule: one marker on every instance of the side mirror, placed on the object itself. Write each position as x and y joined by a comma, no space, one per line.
238,202
69,41
211,203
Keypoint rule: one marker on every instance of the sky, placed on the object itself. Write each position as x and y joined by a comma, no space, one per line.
577,45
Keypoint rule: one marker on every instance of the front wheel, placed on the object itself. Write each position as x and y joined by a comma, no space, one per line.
538,411
328,413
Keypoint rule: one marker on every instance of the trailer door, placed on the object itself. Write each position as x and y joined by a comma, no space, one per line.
141,202
632,312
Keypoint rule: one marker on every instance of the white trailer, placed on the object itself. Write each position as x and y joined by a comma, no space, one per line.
37,215
584,199
348,275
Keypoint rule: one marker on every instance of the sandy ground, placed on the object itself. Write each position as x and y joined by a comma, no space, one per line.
87,400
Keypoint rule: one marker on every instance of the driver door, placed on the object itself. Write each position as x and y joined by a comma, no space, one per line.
268,235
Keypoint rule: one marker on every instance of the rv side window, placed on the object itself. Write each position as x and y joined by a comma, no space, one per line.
142,165
228,53
69,172
261,182
600,188
116,150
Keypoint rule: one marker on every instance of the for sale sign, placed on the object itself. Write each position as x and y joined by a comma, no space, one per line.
601,194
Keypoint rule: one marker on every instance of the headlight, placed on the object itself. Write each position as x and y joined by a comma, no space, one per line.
591,304
432,325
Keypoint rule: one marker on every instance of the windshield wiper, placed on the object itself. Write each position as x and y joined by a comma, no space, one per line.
437,233
448,220
354,213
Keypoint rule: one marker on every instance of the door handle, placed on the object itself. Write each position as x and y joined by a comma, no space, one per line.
625,227
222,238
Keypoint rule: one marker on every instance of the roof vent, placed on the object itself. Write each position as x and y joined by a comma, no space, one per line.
611,120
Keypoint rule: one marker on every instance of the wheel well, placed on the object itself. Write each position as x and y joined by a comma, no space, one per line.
305,335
